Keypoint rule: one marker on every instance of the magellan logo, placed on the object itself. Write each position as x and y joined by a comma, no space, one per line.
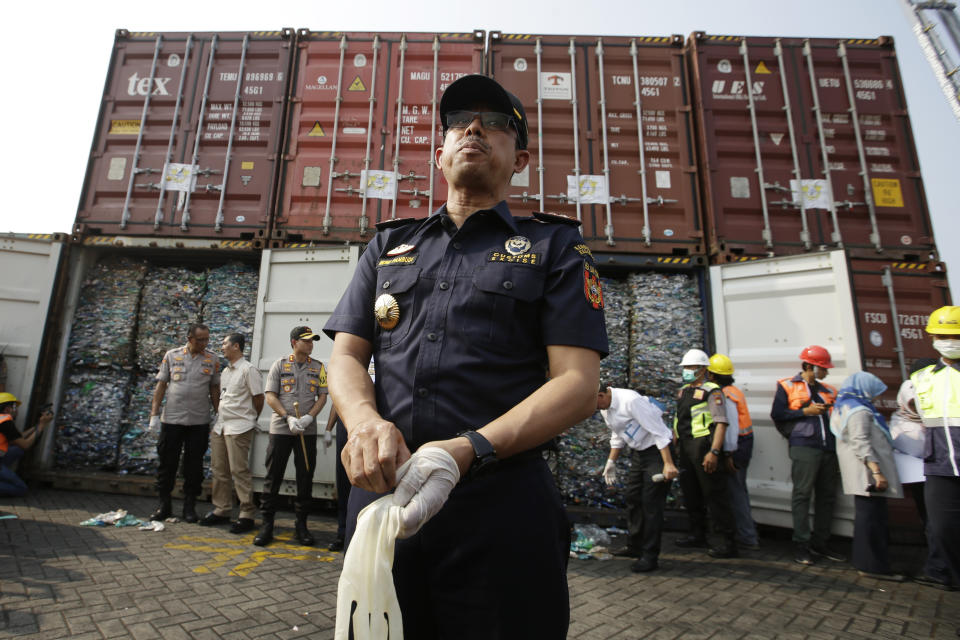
137,86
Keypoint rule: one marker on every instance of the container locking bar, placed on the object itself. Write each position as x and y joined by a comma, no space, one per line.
135,169
835,237
606,152
643,163
800,202
327,216
158,215
364,221
201,120
218,225
396,126
431,167
767,233
887,280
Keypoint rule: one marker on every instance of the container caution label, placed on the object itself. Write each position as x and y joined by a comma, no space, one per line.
124,127
316,131
886,192
357,85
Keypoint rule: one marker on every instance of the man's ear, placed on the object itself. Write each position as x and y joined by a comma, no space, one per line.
521,160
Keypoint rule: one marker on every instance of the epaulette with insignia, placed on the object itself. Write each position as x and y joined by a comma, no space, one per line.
396,222
556,218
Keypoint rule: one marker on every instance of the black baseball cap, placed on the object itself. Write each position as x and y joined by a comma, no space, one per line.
469,90
303,333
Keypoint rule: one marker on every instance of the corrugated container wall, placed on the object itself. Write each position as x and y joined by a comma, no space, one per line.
830,113
188,134
611,137
363,125
893,300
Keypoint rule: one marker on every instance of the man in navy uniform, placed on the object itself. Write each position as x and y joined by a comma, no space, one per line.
488,332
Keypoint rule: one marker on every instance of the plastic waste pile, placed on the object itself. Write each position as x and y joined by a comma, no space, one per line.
230,302
91,416
172,301
652,319
118,518
590,541
138,444
106,317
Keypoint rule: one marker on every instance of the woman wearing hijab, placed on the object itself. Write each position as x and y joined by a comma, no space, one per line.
865,453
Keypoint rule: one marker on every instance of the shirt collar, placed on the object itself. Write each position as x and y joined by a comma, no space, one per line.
941,364
234,365
501,211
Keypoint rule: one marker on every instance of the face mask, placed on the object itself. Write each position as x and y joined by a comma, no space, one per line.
948,348
689,375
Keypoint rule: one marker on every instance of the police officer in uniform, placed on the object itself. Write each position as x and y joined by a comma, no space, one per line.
700,424
936,394
465,311
293,378
189,377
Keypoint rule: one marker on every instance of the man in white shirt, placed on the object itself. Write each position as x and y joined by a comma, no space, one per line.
636,422
241,400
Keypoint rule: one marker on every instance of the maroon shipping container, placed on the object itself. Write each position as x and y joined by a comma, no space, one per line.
893,301
829,113
611,137
363,126
188,136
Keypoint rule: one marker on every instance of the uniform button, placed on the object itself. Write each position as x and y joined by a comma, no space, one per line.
507,285
386,285
457,246
422,392
432,337
444,286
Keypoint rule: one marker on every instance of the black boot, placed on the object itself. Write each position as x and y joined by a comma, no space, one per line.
164,509
301,534
265,535
190,509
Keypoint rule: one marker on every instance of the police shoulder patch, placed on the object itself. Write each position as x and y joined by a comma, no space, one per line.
558,218
397,222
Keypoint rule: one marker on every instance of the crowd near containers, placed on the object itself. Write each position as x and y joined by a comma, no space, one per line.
735,169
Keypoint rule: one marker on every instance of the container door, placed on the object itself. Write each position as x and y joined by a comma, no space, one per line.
765,312
362,129
297,287
29,266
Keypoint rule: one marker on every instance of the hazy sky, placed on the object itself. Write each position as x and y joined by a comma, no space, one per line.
57,56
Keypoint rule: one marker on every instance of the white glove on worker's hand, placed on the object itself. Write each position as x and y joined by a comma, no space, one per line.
213,422
610,472
154,422
327,438
425,481
294,424
305,421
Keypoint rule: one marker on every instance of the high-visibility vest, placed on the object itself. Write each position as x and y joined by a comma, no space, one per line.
4,445
743,414
938,396
700,417
798,393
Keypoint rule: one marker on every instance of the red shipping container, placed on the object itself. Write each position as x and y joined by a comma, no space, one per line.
188,136
828,113
893,300
363,126
611,137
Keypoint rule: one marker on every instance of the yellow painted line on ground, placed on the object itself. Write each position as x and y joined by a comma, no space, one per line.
225,551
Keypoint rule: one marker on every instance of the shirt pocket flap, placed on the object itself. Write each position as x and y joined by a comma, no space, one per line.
397,280
521,284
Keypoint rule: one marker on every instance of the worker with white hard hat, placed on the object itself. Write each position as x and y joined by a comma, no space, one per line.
700,424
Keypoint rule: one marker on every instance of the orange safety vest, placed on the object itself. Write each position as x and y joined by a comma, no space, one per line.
743,414
4,445
798,396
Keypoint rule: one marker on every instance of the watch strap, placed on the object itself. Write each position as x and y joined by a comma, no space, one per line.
485,456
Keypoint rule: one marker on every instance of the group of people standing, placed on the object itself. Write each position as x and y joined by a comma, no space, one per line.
191,382
837,439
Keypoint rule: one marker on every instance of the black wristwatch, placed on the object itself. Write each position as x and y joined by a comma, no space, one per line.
716,452
485,456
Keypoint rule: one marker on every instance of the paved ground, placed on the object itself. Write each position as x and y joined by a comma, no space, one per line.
60,580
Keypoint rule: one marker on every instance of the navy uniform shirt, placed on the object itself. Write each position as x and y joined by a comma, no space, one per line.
477,307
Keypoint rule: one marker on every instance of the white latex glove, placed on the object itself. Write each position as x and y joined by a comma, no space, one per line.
610,472
305,421
425,481
154,422
294,425
327,438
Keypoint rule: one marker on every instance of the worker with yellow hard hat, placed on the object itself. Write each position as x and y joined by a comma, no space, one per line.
740,427
13,444
936,390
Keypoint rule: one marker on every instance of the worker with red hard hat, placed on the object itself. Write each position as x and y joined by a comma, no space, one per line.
801,412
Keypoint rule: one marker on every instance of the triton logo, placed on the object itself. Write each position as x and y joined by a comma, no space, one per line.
139,86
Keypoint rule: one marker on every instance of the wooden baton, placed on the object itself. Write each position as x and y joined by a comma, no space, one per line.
303,443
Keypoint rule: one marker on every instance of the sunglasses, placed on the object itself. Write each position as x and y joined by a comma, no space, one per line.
492,120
